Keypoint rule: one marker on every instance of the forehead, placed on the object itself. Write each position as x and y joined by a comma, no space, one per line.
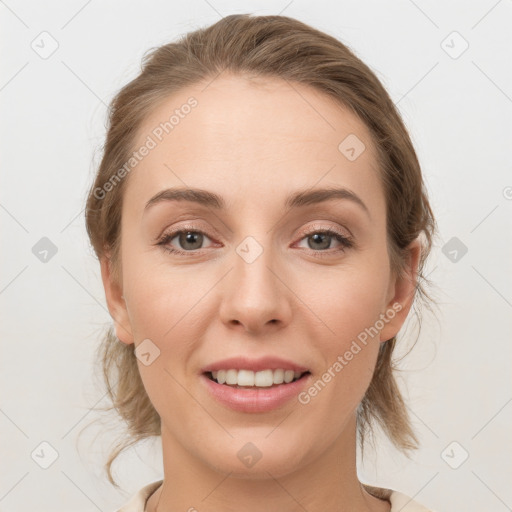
253,141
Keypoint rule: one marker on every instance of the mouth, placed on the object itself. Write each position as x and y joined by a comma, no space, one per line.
248,379
262,391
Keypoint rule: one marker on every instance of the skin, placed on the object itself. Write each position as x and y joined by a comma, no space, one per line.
254,142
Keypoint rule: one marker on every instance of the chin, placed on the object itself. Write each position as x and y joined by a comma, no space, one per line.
258,460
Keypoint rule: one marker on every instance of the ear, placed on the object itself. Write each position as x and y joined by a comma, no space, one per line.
116,303
401,293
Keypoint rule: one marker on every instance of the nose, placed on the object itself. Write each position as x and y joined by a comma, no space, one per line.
255,298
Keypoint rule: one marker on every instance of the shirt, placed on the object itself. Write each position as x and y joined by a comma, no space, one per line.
399,502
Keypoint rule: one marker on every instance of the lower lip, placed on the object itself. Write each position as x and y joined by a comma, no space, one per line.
257,399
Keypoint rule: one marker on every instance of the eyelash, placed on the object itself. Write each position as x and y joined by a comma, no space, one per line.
346,242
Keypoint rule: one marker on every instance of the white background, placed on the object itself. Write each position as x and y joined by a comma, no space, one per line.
53,110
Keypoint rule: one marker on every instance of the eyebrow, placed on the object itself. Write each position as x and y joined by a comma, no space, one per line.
298,199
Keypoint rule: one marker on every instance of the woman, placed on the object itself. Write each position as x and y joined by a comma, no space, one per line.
261,223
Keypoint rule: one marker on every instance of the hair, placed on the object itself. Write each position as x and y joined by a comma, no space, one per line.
273,47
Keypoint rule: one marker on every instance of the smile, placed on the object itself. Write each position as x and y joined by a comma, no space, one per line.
255,397
250,379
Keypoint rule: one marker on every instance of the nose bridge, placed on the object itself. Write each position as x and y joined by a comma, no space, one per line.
254,295
254,258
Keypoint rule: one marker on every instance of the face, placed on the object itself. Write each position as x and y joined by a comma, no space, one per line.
263,272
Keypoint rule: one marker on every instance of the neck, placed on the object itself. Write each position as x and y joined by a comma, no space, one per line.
327,483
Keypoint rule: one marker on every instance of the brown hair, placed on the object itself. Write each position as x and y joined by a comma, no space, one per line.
273,46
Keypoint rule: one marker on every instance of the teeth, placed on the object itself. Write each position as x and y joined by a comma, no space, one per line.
263,379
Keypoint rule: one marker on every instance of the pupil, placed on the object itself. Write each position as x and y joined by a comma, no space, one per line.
318,238
188,238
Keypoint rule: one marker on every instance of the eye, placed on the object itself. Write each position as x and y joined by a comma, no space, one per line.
321,239
189,240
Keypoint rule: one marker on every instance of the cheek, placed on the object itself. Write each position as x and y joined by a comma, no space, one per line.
349,359
162,310
158,297
348,302
348,340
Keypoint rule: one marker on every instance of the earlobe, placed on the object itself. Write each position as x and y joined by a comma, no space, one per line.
116,303
404,291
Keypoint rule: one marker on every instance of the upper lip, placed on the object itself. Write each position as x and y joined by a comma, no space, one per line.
263,363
